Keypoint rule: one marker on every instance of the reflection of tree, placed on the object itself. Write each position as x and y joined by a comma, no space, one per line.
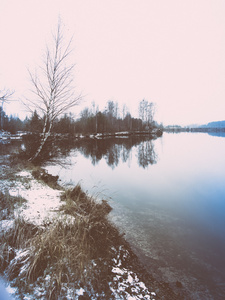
53,150
113,155
146,154
114,149
111,149
125,153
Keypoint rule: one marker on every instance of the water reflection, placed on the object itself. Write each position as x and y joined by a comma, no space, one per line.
53,151
173,212
112,150
146,154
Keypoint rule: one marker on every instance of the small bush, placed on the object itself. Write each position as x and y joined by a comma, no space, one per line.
50,180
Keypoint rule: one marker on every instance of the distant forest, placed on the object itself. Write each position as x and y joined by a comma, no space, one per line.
91,120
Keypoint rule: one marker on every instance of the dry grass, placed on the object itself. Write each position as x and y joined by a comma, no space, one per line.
8,203
75,247
72,242
14,240
6,255
22,232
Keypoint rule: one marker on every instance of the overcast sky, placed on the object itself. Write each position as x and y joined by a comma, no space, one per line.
171,52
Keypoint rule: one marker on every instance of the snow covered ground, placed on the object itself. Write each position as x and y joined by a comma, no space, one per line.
42,203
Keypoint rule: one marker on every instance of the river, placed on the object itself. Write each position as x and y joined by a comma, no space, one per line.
168,197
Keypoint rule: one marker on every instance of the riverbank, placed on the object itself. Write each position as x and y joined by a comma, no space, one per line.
154,133
59,243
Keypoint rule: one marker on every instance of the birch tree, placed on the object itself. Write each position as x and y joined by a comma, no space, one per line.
146,112
53,85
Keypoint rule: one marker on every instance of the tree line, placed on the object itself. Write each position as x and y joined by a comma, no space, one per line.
90,121
112,119
11,123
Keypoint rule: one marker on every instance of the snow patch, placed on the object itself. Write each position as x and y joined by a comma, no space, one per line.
6,225
42,203
80,292
25,174
117,270
126,280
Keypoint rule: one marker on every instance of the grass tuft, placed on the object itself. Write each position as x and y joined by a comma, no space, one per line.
74,247
70,244
8,203
6,255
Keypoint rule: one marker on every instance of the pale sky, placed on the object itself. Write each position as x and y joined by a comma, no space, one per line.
171,52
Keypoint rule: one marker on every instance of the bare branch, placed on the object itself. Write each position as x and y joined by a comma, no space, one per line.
5,95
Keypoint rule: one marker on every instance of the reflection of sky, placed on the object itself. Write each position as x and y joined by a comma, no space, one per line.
188,178
184,189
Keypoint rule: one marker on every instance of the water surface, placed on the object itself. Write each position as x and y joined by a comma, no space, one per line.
168,197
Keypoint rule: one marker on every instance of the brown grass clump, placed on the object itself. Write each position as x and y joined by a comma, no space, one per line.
22,232
13,241
8,203
73,246
81,235
6,255
91,216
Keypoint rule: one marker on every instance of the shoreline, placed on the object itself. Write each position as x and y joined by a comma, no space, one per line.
127,278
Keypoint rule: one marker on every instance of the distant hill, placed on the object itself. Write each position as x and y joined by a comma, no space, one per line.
217,124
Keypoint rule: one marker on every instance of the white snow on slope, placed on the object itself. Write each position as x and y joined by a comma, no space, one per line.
42,203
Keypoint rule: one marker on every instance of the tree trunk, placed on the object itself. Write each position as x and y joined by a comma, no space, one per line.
46,134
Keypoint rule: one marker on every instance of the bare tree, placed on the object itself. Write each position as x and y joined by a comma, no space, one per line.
125,111
5,97
150,112
146,112
53,87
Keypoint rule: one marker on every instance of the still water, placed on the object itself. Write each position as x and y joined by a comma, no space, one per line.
168,197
